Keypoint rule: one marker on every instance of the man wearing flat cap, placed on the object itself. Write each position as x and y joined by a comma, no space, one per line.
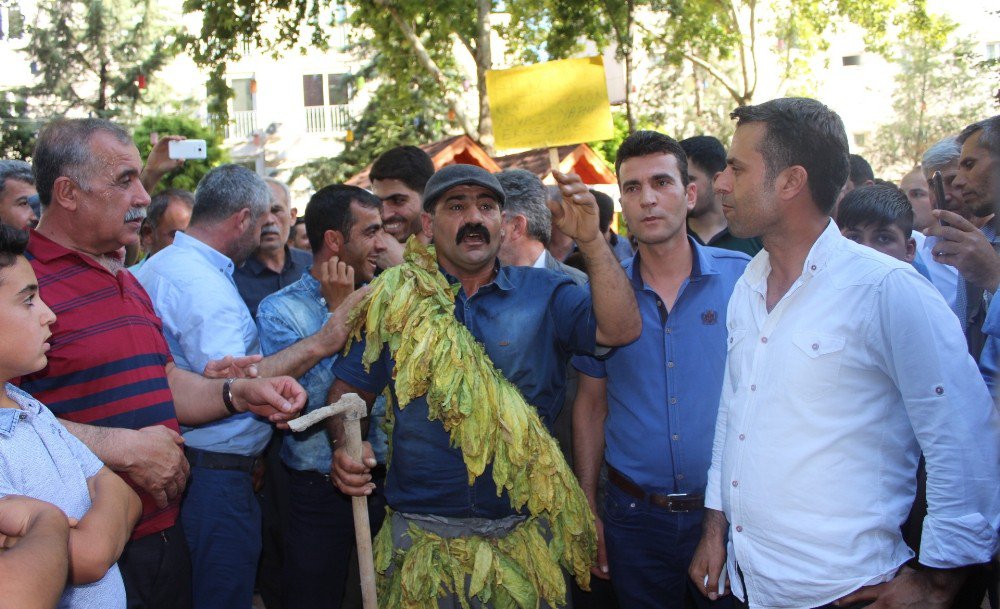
529,321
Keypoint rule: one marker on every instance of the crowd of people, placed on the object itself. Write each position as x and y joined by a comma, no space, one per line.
777,391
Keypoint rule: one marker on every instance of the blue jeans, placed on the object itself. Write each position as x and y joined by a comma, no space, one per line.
649,552
319,539
221,519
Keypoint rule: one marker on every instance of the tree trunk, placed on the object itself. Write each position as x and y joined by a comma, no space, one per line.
428,64
484,61
629,44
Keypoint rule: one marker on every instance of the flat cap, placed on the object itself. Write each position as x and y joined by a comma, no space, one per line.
451,176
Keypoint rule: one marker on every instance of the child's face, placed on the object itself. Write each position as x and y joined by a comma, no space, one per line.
887,239
24,321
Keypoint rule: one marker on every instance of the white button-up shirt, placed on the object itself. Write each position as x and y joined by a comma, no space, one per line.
826,405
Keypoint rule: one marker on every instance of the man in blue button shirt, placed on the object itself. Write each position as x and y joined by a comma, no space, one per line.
344,225
528,320
191,286
654,402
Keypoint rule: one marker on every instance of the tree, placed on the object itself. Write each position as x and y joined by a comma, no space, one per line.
190,173
17,132
940,88
86,62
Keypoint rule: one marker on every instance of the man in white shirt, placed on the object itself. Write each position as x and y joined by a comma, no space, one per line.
843,365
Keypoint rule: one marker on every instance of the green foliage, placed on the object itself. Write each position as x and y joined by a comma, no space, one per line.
940,88
17,132
608,149
87,63
190,173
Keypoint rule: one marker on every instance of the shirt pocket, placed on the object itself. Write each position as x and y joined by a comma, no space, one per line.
735,344
814,364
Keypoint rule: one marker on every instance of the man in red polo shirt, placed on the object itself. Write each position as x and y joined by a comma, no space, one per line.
110,376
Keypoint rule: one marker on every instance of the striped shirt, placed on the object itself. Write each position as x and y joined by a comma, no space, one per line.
107,361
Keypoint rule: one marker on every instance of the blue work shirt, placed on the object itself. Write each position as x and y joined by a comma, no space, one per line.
289,315
529,321
255,280
204,318
664,388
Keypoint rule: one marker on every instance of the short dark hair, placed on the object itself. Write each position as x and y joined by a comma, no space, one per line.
882,204
330,209
408,164
804,132
990,138
15,170
861,170
644,143
63,149
706,152
605,210
13,242
161,201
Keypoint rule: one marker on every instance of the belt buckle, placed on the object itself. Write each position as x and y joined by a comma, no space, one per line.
672,497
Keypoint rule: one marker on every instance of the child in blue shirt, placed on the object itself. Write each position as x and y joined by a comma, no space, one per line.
40,459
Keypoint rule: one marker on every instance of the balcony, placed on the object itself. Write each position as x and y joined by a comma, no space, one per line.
327,119
241,124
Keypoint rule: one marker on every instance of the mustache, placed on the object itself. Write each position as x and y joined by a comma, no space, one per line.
270,230
472,229
135,213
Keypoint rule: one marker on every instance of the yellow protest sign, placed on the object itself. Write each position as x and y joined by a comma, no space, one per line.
550,104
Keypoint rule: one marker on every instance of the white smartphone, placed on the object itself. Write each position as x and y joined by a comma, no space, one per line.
188,149
722,580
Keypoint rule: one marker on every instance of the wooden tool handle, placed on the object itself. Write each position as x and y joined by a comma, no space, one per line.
362,528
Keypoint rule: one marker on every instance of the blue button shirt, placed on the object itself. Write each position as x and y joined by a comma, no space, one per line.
989,360
286,317
529,321
204,318
664,389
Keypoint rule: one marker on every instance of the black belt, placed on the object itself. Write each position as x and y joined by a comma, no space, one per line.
224,461
672,503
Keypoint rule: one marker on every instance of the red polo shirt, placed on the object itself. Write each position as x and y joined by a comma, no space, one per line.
106,364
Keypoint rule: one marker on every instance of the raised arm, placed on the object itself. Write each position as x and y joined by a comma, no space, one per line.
615,309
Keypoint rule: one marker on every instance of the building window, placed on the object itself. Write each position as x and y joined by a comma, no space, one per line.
851,60
243,121
326,98
992,50
11,22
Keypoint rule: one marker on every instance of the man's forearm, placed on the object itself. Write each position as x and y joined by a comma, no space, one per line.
589,413
197,400
295,360
615,309
714,526
33,572
112,445
98,540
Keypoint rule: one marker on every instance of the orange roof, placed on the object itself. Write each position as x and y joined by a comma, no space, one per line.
449,151
580,159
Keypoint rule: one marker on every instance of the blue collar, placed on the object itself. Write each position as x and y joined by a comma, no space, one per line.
217,259
701,265
501,281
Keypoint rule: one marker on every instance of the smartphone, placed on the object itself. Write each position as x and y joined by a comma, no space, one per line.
188,149
937,183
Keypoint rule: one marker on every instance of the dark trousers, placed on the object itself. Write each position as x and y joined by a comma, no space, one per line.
319,539
649,552
742,605
157,571
221,519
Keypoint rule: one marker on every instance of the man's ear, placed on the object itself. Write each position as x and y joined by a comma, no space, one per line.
792,182
66,193
427,221
334,241
691,192
911,250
